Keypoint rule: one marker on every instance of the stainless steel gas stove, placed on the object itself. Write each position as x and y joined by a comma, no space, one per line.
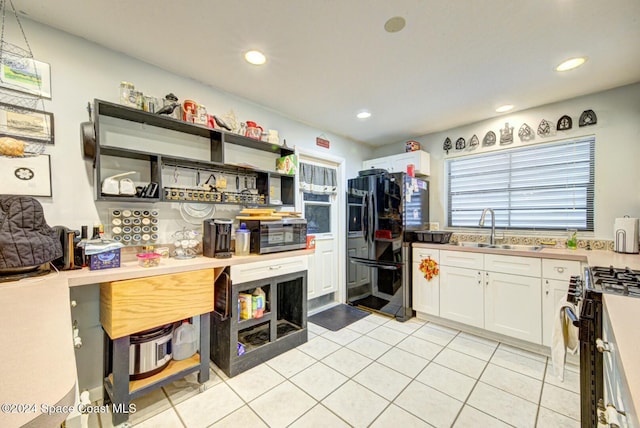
587,293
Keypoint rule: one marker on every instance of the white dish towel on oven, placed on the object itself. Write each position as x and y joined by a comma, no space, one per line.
563,338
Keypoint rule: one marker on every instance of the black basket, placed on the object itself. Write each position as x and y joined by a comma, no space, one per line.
434,237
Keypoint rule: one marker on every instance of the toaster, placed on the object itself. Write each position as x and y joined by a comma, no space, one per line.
625,235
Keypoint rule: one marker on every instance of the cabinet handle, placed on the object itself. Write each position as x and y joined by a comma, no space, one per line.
275,267
602,346
560,269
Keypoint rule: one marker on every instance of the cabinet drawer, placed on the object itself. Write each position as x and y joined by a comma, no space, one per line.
462,259
135,305
527,266
560,269
422,253
268,268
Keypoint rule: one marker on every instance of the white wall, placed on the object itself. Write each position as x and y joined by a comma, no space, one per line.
82,71
617,157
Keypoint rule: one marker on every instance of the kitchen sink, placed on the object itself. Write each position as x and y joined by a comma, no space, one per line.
500,246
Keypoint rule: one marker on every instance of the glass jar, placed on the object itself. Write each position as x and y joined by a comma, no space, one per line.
572,239
128,94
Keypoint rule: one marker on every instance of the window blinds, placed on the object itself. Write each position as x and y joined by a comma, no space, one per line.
545,186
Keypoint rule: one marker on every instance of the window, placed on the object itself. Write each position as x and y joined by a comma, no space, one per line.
546,186
318,185
317,211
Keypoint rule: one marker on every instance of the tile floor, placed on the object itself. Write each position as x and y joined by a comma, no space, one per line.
376,372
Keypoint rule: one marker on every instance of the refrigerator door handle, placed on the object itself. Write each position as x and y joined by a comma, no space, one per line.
365,216
374,264
374,210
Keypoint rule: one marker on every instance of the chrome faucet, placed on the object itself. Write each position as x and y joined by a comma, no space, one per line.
492,238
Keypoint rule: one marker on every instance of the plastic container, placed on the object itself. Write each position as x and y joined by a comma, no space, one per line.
148,259
185,341
243,240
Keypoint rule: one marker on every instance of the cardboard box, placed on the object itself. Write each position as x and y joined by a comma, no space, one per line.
107,260
287,165
245,302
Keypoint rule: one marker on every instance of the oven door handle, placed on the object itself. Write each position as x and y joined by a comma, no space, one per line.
572,316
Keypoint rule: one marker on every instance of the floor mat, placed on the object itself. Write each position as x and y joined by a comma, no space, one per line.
337,317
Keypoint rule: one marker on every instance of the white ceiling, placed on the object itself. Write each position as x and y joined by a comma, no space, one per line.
453,64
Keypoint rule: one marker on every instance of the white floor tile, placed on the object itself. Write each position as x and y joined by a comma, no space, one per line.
571,379
434,334
420,347
460,362
382,380
319,417
406,327
403,362
291,362
446,380
243,417
355,404
387,335
282,405
342,336
519,363
147,406
377,319
316,329
442,328
473,418
428,404
363,326
347,361
523,352
319,347
550,419
208,407
514,383
187,387
472,347
319,380
561,401
255,382
502,405
167,419
369,347
480,339
394,416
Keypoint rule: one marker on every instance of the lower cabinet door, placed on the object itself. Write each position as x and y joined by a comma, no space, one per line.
426,294
553,290
462,295
513,306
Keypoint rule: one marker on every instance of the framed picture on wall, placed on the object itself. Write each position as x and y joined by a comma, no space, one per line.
26,75
26,176
26,124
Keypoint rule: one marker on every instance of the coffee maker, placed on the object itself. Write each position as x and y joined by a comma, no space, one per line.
216,240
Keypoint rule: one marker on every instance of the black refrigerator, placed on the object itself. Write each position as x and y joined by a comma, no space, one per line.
383,209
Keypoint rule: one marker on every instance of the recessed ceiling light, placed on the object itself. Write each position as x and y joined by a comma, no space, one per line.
505,108
395,24
363,115
255,57
571,63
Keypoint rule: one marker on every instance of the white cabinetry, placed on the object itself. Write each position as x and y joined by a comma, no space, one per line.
512,297
555,282
268,268
426,294
398,163
461,289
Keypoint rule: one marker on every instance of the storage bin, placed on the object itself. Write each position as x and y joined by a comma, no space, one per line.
434,237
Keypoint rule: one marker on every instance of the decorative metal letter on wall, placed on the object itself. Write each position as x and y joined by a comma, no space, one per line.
564,123
588,117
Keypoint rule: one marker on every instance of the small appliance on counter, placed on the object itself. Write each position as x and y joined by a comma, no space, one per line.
216,240
273,236
625,235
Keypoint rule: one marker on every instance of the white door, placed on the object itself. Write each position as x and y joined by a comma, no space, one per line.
322,213
512,306
462,295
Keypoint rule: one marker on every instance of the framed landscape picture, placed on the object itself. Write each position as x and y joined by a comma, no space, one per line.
26,75
26,124
27,176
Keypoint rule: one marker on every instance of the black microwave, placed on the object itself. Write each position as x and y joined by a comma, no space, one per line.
277,235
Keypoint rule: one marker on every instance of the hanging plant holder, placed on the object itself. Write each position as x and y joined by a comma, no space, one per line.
588,117
564,123
526,133
447,145
489,139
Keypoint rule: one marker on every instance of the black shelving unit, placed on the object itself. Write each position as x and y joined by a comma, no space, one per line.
216,137
282,327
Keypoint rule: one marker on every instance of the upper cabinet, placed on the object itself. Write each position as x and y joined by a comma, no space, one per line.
158,150
398,163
